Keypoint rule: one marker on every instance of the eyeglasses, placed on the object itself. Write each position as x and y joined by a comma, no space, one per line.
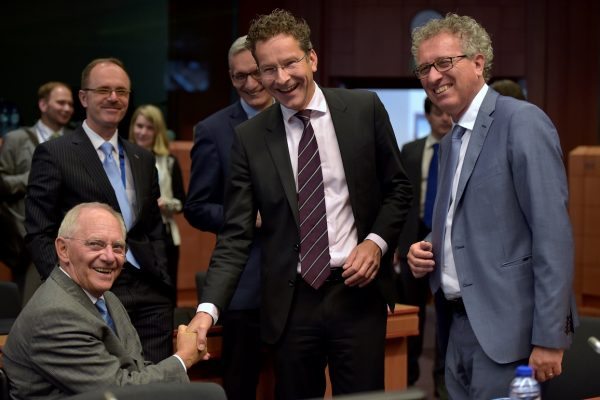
241,77
269,72
106,91
441,64
119,248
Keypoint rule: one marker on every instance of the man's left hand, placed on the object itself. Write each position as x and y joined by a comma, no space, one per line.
546,362
362,264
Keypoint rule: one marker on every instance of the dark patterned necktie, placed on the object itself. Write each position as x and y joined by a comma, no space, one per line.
442,204
314,243
431,186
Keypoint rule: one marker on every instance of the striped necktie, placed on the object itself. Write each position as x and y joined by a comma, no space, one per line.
314,242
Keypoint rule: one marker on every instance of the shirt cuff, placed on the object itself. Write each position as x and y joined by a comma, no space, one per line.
210,309
181,361
379,242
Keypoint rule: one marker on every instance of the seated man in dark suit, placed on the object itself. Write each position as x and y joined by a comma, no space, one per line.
74,335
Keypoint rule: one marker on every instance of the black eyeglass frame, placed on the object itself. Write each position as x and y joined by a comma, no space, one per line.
423,70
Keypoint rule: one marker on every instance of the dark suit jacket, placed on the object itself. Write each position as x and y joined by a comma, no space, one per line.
60,345
203,209
412,158
67,171
262,179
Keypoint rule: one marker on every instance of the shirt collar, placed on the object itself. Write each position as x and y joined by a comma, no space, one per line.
97,140
467,121
248,109
317,104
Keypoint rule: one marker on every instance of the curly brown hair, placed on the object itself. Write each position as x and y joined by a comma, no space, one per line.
264,27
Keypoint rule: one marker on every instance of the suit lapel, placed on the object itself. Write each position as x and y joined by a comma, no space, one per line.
483,122
276,142
88,157
344,134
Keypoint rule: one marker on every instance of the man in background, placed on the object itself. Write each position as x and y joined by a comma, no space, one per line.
420,160
75,335
213,138
94,164
55,102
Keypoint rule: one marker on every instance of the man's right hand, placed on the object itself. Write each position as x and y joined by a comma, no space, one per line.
187,347
420,259
200,324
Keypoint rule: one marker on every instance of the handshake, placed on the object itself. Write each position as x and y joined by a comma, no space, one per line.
187,347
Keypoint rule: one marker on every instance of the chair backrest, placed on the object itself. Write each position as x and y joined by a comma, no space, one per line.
3,386
10,300
158,391
581,367
10,305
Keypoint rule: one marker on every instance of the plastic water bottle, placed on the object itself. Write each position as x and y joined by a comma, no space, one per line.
524,386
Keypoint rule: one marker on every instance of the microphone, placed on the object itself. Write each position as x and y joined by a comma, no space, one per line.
594,344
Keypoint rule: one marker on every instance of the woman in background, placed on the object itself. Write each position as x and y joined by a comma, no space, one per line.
148,130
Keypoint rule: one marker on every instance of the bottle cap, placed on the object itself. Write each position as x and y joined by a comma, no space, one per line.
524,370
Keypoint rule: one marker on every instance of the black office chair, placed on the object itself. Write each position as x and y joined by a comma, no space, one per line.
581,367
10,305
158,391
3,385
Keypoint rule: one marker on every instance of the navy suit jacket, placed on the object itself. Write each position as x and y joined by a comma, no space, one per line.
511,235
203,209
67,171
262,179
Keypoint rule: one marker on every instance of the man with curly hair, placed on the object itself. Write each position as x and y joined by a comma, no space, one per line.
322,168
501,247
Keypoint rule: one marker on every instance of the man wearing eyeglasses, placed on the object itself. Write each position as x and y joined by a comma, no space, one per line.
501,247
204,210
94,164
322,168
75,335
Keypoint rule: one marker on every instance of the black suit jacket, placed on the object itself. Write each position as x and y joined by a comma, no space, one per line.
414,228
67,171
262,179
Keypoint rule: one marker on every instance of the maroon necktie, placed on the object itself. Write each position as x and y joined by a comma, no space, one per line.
314,243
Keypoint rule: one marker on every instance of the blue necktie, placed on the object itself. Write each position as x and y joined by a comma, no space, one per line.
442,205
431,186
101,306
110,166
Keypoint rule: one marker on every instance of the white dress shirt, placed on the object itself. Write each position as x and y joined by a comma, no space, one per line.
450,284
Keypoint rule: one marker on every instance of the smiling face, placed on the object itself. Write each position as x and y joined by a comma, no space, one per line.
92,268
144,132
293,86
57,109
104,112
453,90
250,89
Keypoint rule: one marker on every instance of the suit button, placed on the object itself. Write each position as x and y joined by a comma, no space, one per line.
291,283
296,247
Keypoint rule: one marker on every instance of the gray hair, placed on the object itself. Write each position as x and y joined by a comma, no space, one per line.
237,47
70,222
474,38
